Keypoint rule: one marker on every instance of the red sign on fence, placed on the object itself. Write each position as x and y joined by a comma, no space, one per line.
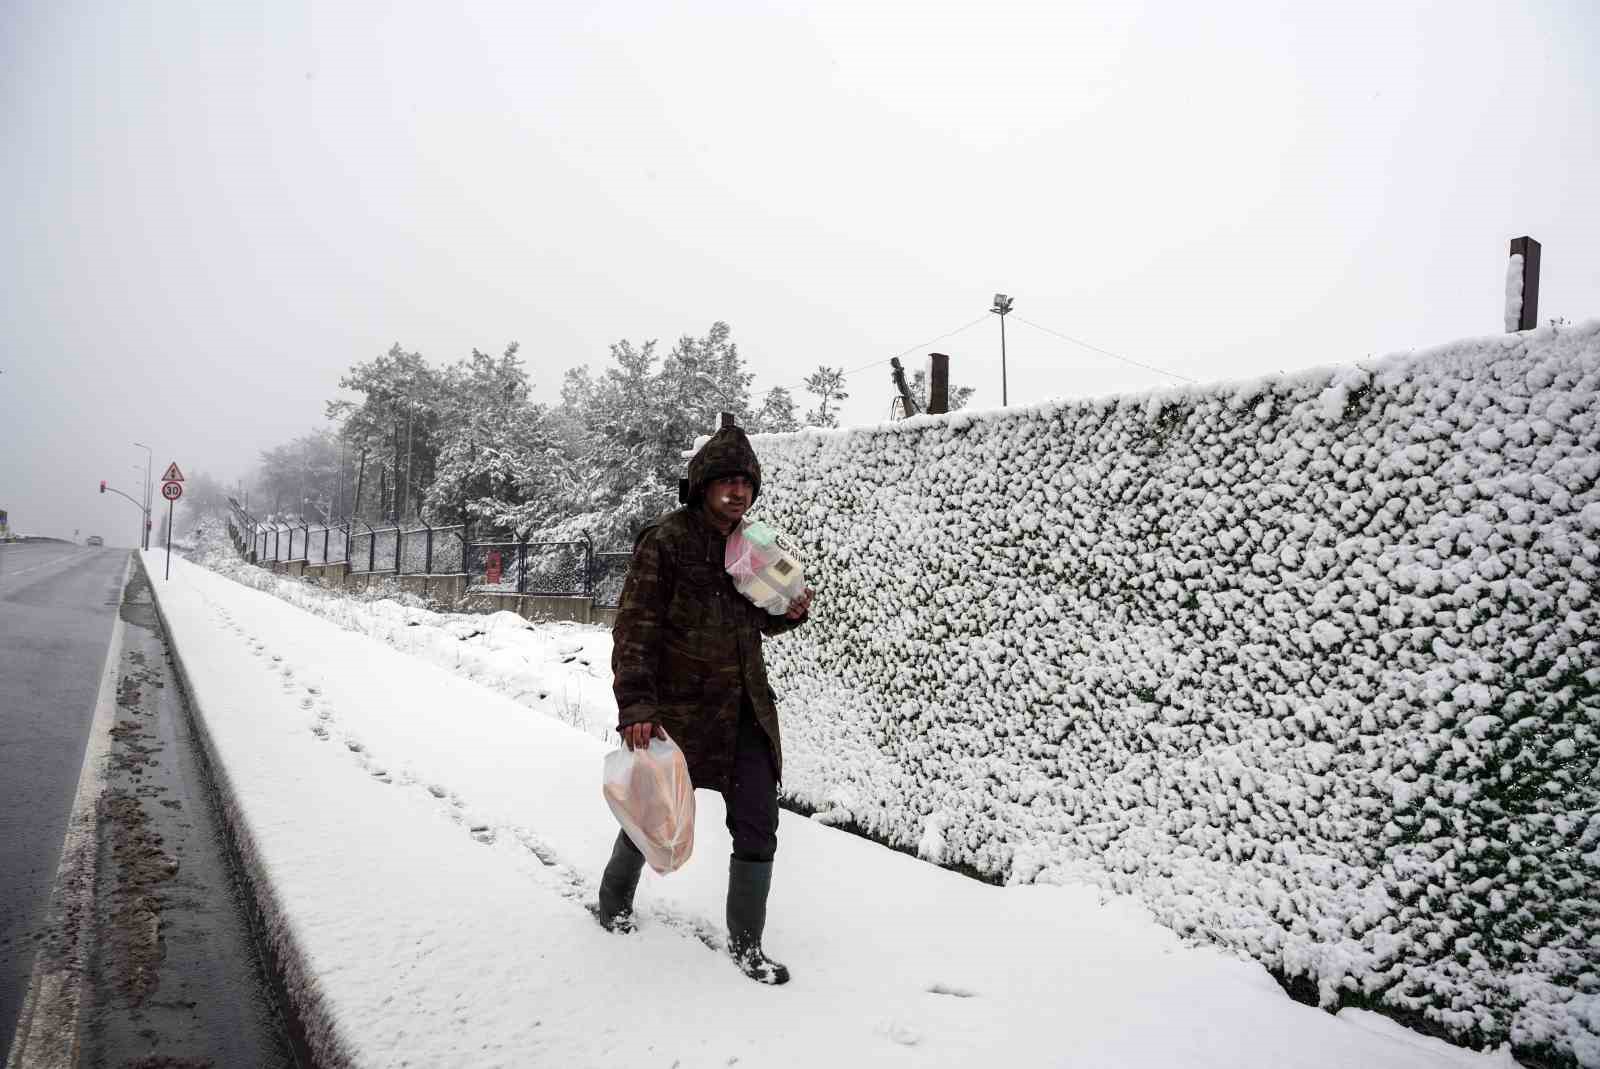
491,568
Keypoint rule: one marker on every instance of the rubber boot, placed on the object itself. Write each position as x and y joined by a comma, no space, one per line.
748,884
621,879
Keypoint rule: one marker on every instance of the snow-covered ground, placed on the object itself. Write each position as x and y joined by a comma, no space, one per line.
425,831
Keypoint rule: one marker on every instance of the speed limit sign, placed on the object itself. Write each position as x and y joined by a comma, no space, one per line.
172,491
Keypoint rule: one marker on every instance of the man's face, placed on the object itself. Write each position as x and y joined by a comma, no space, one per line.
727,498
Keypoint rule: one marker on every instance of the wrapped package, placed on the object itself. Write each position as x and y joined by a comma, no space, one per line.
650,794
764,566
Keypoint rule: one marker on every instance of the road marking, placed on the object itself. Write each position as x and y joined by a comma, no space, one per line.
46,564
47,1029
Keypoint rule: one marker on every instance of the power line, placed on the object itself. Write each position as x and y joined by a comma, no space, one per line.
903,352
921,345
1104,352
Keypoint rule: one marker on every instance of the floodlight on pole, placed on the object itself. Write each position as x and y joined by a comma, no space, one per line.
1002,305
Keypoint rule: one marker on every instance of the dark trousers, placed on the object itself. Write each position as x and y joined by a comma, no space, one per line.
751,796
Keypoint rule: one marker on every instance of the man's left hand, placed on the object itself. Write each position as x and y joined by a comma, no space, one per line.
800,606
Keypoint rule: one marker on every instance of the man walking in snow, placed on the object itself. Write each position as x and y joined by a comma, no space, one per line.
686,659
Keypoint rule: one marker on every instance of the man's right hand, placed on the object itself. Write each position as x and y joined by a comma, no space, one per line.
638,736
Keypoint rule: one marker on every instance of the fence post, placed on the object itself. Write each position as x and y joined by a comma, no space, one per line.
938,384
372,548
522,566
588,566
325,533
427,556
1522,287
399,545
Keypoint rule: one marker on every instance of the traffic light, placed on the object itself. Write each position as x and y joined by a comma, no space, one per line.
102,486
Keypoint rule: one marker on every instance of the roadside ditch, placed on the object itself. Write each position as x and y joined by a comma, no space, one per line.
178,975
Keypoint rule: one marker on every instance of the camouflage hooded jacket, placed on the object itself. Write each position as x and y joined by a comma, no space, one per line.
686,645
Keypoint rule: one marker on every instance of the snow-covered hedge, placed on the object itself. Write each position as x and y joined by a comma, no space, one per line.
1306,663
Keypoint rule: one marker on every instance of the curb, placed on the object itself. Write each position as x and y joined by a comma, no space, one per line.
313,1034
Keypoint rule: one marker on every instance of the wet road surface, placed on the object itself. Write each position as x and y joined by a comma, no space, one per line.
57,606
170,974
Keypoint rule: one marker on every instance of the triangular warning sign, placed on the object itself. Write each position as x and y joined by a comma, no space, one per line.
173,475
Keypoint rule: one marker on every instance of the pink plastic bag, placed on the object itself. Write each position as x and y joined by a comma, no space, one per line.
764,569
743,557
650,795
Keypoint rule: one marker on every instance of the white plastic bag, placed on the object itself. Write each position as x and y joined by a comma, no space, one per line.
764,566
650,795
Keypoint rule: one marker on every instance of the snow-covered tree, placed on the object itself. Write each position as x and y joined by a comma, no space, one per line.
299,480
624,432
827,384
497,460
393,431
777,414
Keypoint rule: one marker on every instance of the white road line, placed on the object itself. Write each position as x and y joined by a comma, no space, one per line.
47,1029
46,564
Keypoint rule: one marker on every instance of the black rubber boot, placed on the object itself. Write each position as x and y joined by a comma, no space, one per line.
748,884
621,879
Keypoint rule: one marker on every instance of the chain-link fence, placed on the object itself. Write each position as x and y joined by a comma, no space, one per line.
449,546
327,545
493,567
361,555
606,573
386,543
556,569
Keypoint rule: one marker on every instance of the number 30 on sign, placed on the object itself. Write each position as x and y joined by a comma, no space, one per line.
172,491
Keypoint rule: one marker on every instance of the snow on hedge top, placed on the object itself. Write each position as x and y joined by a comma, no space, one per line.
1305,662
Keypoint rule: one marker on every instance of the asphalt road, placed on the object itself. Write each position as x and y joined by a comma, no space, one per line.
57,606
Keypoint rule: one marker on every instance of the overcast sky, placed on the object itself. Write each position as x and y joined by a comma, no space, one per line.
214,210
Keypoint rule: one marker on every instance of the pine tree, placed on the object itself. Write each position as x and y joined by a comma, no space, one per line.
299,479
776,415
625,431
396,425
827,383
498,463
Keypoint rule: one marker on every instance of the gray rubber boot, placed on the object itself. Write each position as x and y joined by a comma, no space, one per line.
748,884
621,879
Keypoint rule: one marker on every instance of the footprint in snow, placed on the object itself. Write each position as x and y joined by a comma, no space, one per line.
320,732
952,990
436,790
902,1033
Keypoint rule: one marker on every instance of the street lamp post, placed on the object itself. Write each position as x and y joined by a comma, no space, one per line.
144,535
1002,305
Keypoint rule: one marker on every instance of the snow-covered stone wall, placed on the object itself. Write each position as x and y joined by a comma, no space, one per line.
1307,663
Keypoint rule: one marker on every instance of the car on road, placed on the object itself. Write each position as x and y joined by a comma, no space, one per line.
94,540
